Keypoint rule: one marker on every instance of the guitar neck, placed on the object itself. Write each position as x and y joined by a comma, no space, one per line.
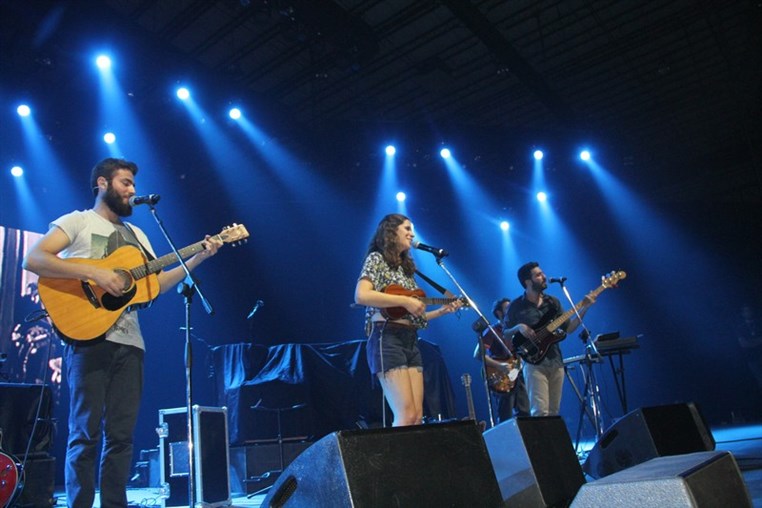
158,264
563,318
437,301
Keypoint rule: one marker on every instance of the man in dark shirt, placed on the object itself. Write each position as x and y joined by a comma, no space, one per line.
544,379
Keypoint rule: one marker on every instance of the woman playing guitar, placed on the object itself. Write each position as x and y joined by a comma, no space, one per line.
393,355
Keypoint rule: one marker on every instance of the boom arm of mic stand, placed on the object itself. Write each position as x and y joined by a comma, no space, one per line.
193,283
589,343
475,307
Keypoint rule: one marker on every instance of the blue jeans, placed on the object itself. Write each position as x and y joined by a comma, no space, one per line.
105,384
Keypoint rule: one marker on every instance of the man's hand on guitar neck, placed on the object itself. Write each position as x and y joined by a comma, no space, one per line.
170,278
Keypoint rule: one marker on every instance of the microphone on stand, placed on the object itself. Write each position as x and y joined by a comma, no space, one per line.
254,310
148,199
559,280
440,253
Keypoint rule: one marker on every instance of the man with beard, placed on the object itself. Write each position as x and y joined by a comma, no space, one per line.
545,379
105,377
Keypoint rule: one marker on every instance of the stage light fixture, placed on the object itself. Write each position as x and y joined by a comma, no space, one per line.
542,197
445,153
505,225
103,62
23,110
538,155
401,197
235,113
183,93
109,138
390,150
584,155
17,171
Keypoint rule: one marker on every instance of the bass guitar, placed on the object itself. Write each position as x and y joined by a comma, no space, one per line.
548,331
400,312
81,310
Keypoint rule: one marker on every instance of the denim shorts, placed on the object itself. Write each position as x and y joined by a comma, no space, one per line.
399,344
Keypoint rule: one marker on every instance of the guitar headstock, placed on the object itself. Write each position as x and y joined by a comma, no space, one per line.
466,379
235,234
612,279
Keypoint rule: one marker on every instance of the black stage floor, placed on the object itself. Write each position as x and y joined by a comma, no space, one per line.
743,441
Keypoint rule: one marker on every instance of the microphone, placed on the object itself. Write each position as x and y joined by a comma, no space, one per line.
560,280
440,253
257,306
149,199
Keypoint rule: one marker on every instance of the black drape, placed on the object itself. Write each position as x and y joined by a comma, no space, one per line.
331,380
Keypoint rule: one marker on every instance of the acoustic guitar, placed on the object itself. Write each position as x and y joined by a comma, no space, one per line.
400,312
81,310
548,331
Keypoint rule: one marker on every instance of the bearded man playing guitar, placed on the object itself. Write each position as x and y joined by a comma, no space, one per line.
545,378
392,351
105,377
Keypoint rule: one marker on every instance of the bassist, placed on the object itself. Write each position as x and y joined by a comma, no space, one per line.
545,379
105,377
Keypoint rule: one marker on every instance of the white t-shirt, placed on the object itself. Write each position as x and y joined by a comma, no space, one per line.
94,237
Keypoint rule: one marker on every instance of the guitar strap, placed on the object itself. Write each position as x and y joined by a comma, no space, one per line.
146,252
436,286
148,256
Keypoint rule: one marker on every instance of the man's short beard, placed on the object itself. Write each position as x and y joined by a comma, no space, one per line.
114,202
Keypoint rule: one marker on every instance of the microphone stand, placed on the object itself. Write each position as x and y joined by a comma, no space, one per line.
186,288
592,389
479,326
472,304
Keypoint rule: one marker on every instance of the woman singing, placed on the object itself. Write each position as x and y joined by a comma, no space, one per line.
393,354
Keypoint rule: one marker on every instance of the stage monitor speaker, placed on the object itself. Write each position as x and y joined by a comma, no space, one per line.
700,479
422,465
534,460
647,433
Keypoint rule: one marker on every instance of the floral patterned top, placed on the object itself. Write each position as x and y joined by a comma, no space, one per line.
380,274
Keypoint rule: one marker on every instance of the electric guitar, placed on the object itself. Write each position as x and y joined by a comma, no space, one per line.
400,312
548,331
81,310
503,382
11,477
497,379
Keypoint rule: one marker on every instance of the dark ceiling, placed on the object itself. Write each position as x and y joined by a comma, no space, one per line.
673,86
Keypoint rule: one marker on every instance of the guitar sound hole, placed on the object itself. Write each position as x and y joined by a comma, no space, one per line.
117,302
127,281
